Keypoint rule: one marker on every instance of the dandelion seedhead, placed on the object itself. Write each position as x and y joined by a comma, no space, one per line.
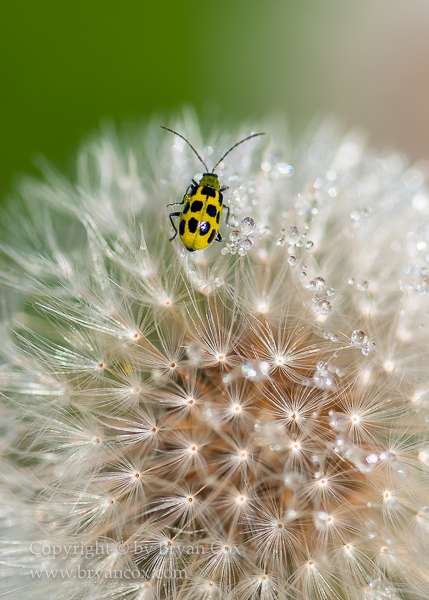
249,422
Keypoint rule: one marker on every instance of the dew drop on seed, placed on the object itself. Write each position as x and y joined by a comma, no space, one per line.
309,245
234,236
255,370
242,251
285,169
224,251
358,337
292,260
331,292
247,243
362,286
323,307
292,234
248,226
303,274
319,284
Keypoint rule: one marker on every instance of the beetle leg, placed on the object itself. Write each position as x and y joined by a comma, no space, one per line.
179,203
170,216
184,197
227,216
218,238
223,189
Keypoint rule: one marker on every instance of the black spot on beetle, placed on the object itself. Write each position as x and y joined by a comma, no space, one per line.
182,227
192,225
211,236
190,249
220,199
218,217
208,191
196,206
204,227
186,208
211,210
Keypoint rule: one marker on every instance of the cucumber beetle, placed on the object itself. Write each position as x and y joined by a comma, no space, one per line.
202,205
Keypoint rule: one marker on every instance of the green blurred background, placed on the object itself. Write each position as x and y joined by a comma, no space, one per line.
67,65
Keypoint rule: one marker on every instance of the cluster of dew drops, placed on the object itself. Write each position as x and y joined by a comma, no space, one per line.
241,240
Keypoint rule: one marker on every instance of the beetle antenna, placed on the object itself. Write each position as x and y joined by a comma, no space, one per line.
235,146
190,145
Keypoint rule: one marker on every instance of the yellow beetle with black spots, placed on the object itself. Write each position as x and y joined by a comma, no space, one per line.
202,206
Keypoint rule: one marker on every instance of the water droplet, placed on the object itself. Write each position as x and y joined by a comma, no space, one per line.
292,260
292,234
319,284
331,291
281,242
321,381
235,235
242,251
351,281
285,169
255,370
371,459
362,286
322,520
358,337
309,245
303,274
248,225
247,243
323,307
224,251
